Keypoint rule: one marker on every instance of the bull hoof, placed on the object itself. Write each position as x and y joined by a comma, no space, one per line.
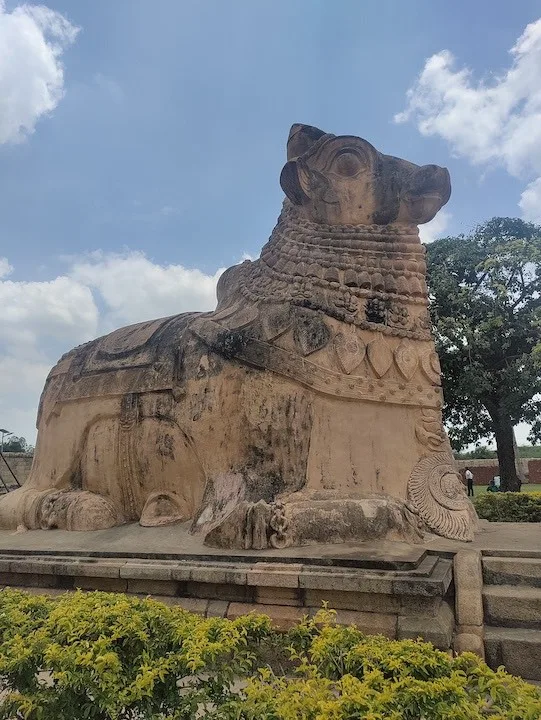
76,510
161,508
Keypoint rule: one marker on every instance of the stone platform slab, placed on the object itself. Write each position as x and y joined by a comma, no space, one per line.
497,538
501,539
176,542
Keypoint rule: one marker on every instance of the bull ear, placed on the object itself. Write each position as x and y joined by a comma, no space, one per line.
301,138
291,180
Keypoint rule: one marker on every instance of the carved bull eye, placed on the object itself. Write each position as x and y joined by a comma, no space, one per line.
348,163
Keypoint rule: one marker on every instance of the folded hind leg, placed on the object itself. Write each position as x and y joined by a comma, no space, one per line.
54,495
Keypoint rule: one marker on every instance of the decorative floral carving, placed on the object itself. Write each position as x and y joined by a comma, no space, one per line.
310,333
303,289
278,523
347,302
350,351
287,363
406,359
379,356
429,430
430,365
398,315
423,321
376,310
276,322
437,494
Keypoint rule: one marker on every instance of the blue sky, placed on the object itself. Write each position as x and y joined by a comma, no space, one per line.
170,135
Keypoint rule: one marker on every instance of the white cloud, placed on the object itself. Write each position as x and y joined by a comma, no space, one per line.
435,228
32,40
62,308
21,383
495,121
5,268
98,292
530,201
133,288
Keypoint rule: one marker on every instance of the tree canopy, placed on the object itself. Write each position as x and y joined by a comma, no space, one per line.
482,452
16,444
486,310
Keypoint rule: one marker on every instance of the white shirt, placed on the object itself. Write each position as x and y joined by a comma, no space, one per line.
468,475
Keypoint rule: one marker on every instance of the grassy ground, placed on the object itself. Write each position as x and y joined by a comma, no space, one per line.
481,489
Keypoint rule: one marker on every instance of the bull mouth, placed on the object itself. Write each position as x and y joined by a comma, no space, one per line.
424,207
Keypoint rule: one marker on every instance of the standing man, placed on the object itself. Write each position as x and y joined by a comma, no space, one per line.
469,480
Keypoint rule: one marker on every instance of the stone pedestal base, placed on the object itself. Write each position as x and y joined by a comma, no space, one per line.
402,597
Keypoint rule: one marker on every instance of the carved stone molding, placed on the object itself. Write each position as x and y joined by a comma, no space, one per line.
259,354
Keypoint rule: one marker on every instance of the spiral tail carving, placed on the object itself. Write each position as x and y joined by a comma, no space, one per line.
437,493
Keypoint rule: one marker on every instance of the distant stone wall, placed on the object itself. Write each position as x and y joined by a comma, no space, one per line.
534,471
484,470
20,463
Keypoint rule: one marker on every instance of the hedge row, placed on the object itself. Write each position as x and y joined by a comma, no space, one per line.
509,507
109,656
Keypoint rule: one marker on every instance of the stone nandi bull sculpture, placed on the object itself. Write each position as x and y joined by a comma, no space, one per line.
305,408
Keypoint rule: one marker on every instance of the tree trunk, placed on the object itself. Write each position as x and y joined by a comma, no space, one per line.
518,462
505,448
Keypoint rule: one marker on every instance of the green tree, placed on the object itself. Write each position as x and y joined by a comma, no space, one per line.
485,291
482,452
16,444
529,451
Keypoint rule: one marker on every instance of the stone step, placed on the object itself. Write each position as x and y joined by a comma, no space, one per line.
512,571
518,649
512,606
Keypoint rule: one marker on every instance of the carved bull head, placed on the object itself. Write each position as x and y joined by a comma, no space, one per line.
345,180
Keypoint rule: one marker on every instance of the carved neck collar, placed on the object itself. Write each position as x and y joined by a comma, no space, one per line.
346,237
366,276
385,262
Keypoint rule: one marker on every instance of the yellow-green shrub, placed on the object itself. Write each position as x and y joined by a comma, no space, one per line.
509,507
107,656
